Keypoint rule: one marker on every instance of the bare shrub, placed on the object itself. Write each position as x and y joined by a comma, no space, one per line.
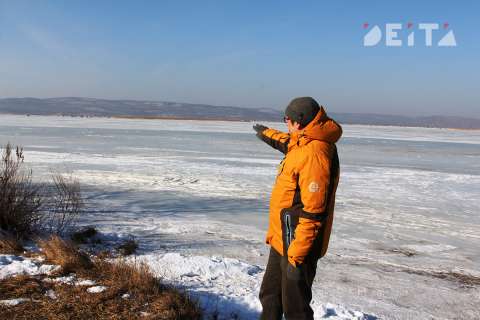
83,235
65,254
128,247
20,199
62,205
27,207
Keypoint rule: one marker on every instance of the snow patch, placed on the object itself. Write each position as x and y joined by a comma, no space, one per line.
12,265
227,288
85,282
96,289
13,302
199,266
66,279
51,294
336,312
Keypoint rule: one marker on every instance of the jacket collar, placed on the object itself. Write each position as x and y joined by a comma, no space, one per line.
320,128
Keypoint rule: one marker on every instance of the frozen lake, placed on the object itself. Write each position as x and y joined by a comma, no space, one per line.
407,226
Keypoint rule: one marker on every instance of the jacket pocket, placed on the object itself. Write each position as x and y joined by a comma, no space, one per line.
289,218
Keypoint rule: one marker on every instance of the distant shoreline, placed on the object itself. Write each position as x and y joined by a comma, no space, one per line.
241,120
179,118
169,110
129,117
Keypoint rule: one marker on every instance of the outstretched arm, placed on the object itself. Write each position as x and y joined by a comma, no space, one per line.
276,139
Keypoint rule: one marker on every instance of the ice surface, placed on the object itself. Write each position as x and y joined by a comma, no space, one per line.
406,231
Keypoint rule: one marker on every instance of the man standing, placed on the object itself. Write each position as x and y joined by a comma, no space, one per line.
301,207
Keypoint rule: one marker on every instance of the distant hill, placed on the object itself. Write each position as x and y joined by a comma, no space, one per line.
132,108
73,106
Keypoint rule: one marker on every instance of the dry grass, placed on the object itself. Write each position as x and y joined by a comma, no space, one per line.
10,244
22,286
147,297
65,254
127,277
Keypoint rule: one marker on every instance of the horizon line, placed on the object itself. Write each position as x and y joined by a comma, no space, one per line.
239,107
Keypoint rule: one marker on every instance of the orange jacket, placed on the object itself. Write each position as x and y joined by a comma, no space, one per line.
303,179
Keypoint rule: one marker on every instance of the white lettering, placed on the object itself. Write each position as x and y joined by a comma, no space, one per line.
390,35
428,27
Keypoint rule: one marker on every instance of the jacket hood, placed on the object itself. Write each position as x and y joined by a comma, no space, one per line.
320,128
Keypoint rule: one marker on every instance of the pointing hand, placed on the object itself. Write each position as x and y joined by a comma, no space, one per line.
259,128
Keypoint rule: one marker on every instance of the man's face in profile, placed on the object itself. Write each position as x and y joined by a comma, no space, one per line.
292,125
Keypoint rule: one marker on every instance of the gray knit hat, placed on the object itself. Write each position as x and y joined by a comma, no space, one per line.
302,110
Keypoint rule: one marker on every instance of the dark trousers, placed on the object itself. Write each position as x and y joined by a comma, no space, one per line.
287,289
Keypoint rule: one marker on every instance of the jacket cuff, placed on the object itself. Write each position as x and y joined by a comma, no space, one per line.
294,261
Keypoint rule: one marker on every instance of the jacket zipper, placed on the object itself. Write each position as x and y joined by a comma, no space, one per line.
289,229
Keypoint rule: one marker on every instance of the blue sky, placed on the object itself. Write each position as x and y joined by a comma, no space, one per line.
243,53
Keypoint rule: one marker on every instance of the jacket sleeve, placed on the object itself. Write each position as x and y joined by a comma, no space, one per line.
313,180
276,139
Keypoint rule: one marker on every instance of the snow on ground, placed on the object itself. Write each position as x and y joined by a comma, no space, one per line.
96,289
227,287
71,279
13,302
51,294
12,265
85,282
224,286
63,279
